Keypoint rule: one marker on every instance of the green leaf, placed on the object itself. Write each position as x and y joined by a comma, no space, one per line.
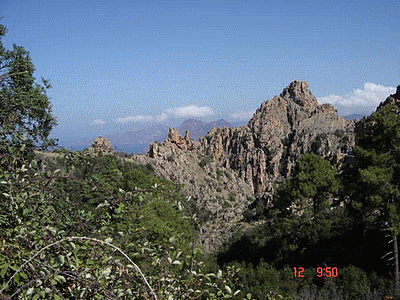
4,269
62,259
30,291
106,271
16,278
228,289
60,278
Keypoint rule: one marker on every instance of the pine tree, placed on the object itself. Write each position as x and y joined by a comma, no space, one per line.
374,178
314,181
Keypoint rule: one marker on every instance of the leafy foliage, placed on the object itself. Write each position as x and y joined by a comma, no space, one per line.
25,108
71,212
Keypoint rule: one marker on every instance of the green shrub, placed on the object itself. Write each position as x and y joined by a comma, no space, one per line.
354,282
205,161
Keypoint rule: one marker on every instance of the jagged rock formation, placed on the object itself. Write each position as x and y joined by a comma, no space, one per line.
225,170
216,190
265,151
100,145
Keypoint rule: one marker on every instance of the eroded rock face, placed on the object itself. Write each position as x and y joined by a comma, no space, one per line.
217,191
100,145
229,167
265,151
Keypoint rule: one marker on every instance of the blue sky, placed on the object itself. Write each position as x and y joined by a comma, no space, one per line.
121,65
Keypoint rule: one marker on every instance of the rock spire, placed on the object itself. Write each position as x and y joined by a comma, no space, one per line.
299,92
100,145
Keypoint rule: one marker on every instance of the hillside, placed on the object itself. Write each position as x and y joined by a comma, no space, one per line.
229,169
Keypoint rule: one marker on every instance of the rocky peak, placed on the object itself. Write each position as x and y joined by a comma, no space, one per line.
392,99
300,93
100,145
172,145
175,137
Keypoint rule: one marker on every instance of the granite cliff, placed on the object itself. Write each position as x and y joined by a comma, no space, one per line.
226,170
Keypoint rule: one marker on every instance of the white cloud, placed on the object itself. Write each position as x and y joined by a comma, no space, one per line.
161,117
190,111
371,95
134,119
99,122
177,112
243,115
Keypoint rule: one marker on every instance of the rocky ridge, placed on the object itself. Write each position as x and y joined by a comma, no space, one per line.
229,167
366,122
265,151
392,99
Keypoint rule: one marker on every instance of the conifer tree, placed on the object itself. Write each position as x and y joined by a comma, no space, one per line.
375,177
314,180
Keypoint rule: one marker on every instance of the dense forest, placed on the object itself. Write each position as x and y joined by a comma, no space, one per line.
82,225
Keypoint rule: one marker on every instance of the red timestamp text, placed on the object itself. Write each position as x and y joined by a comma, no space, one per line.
321,272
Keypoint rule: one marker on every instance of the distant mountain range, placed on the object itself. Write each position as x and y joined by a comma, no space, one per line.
354,116
138,141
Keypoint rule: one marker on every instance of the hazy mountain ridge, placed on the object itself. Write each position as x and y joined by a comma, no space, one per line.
354,116
138,141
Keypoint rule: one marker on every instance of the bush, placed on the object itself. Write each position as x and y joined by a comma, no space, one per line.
354,282
205,161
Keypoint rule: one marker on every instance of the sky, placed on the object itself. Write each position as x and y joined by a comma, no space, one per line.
120,65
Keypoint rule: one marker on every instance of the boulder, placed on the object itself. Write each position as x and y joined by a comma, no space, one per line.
100,145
